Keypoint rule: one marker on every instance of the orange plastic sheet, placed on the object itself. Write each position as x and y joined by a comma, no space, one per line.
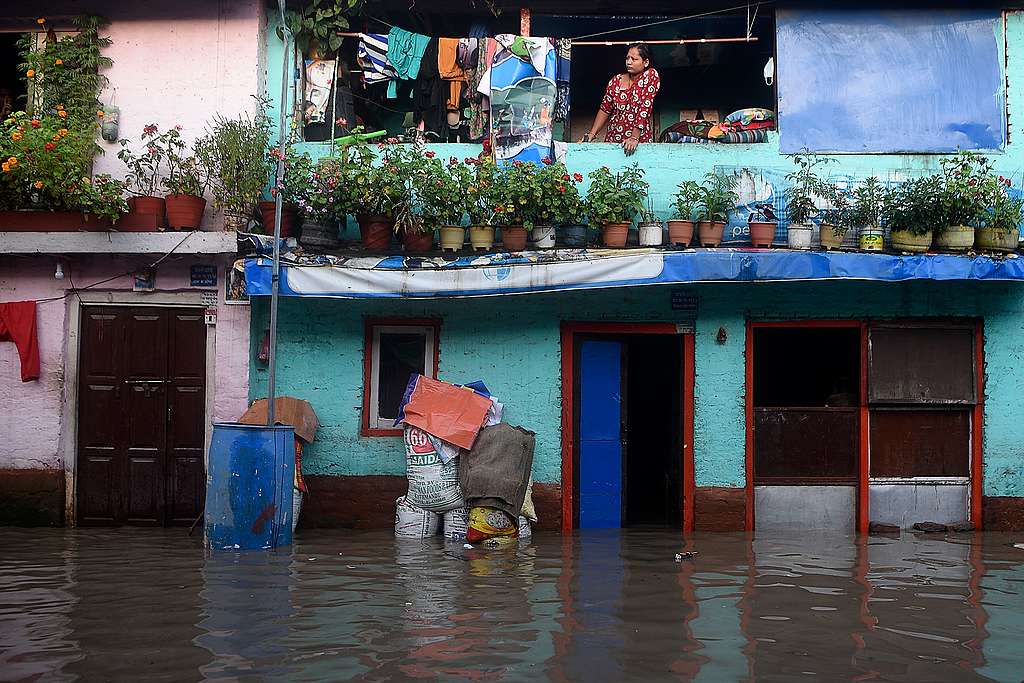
453,414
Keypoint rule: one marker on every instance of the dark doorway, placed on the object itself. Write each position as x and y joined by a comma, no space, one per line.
141,416
629,425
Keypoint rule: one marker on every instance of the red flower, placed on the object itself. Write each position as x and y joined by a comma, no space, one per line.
453,161
431,155
546,161
565,177
150,129
36,123
49,146
561,188
577,177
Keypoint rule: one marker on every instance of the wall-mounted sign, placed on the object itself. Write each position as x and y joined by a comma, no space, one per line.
684,300
203,275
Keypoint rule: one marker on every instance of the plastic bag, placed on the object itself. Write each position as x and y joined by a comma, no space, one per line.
433,485
485,523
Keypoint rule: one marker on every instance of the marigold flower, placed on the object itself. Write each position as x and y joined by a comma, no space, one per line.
36,123
38,184
62,132
59,62
60,106
41,21
12,160
55,138
63,114
6,167
16,135
100,113
30,73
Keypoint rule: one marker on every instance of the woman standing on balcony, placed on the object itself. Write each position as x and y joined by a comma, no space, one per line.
628,102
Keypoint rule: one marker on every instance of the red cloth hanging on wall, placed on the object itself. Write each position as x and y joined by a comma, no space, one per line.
18,325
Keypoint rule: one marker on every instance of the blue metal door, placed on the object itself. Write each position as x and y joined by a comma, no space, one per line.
600,451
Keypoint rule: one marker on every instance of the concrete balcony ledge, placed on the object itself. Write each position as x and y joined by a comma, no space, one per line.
196,242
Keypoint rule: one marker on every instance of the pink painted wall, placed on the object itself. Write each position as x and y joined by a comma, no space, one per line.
32,419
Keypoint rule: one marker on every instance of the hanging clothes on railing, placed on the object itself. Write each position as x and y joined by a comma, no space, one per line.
430,98
563,52
449,69
372,57
405,53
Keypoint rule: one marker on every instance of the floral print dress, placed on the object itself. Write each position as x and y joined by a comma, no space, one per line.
630,108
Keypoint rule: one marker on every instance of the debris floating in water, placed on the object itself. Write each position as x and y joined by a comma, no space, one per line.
688,555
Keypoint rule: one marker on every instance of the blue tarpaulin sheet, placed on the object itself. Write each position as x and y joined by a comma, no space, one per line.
549,271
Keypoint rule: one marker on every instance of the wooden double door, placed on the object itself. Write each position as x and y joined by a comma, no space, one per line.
141,416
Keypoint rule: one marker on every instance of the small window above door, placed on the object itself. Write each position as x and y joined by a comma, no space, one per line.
394,351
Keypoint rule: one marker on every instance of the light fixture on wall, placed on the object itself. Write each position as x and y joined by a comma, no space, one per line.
721,337
58,274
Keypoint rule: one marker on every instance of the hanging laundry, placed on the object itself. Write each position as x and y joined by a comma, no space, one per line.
372,57
317,91
405,54
449,69
430,99
18,325
522,90
479,103
563,51
467,55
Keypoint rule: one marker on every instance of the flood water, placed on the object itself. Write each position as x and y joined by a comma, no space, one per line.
137,604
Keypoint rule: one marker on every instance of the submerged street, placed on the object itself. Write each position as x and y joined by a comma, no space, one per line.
606,605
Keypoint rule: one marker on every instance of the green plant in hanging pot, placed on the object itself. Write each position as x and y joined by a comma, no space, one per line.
614,199
963,201
685,202
235,149
717,198
1000,227
805,188
911,210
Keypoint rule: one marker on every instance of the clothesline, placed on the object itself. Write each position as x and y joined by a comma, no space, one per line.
677,41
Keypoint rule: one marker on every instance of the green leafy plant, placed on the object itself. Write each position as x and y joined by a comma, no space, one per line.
838,215
513,194
717,196
235,150
104,197
1004,213
479,193
868,199
324,202
805,186
380,182
317,23
439,191
914,206
962,193
686,200
146,169
44,164
616,197
557,194
66,74
296,185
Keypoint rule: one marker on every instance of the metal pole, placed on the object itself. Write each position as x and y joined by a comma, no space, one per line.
279,178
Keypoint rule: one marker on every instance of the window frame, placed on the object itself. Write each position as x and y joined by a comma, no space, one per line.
373,327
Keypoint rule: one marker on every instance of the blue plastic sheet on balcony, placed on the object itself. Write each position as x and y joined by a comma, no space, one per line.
364,277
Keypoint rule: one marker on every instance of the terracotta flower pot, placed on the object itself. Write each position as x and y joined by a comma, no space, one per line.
513,237
375,231
145,212
453,237
147,205
418,242
42,221
184,211
614,234
481,237
709,233
93,223
680,232
762,233
289,217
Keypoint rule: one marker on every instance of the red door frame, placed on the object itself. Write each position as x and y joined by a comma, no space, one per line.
569,332
864,468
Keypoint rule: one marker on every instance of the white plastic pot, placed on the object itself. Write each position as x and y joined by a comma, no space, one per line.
799,235
650,234
543,236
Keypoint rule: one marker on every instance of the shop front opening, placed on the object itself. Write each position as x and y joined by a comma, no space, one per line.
629,430
806,427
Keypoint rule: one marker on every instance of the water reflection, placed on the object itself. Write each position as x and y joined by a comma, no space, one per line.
602,605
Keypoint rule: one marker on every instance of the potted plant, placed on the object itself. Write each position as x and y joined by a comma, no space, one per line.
866,215
963,203
317,25
478,202
234,149
557,199
572,232
185,182
649,229
439,199
146,169
378,191
294,188
716,198
1000,229
614,199
324,205
911,210
805,186
761,224
102,198
685,202
513,193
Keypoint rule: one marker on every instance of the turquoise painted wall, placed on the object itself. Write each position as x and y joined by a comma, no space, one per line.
512,343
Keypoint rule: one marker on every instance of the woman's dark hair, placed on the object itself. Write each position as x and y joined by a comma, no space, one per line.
644,51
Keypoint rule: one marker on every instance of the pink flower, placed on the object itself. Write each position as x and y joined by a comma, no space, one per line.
341,121
381,145
152,150
177,127
392,141
149,129
453,161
